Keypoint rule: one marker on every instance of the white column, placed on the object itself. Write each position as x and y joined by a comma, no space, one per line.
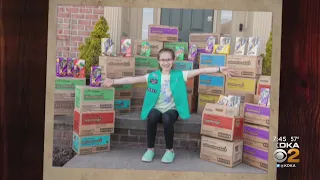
113,16
262,25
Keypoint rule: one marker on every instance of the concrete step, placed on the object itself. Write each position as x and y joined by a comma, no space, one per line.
121,157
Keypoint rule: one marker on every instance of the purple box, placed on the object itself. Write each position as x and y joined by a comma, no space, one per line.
70,67
95,76
260,133
255,152
164,30
61,67
257,110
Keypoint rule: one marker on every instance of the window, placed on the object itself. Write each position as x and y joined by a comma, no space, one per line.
147,18
226,22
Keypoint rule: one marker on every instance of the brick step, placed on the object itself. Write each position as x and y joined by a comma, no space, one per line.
131,130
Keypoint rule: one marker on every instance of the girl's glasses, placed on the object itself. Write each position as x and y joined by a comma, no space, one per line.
165,60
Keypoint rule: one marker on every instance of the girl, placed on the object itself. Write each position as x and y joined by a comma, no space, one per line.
166,99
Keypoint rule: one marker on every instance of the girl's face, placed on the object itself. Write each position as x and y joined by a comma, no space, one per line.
166,61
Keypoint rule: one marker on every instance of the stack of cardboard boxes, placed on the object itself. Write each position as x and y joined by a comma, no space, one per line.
256,127
114,68
211,86
221,135
94,119
69,74
248,69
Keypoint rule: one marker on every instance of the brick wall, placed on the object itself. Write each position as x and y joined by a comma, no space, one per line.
62,134
130,137
133,137
74,24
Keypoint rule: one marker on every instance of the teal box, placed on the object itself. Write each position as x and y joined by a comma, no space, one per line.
183,65
211,80
122,103
212,84
90,144
211,60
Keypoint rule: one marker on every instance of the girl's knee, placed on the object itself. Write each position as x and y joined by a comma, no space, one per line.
167,119
154,116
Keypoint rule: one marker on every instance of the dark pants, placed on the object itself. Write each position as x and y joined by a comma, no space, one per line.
168,118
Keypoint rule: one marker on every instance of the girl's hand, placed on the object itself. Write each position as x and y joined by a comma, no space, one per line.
107,83
227,71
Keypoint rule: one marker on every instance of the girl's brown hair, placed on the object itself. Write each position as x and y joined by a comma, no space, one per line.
172,53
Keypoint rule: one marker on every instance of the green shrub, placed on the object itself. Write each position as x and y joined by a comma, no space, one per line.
267,58
91,49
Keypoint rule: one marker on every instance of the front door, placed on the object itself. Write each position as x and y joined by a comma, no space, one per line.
188,21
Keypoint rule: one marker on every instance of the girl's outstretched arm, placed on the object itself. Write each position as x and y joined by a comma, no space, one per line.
225,70
126,80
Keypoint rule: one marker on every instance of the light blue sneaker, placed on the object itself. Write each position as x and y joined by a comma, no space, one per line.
168,157
148,156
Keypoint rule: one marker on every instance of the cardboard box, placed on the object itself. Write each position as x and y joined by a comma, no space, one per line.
65,87
255,157
145,65
163,33
137,102
93,99
257,114
186,66
135,108
200,40
203,99
155,47
212,60
123,91
173,45
222,152
256,136
63,107
245,66
139,90
183,65
240,86
116,67
219,123
263,82
93,123
211,84
192,100
122,106
90,144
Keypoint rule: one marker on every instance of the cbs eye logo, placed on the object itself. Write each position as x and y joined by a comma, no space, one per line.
281,155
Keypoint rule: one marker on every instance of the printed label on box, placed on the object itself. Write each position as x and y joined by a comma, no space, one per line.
255,152
218,121
244,85
98,94
90,141
68,84
256,109
212,60
211,80
164,30
122,103
97,118
146,62
183,65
